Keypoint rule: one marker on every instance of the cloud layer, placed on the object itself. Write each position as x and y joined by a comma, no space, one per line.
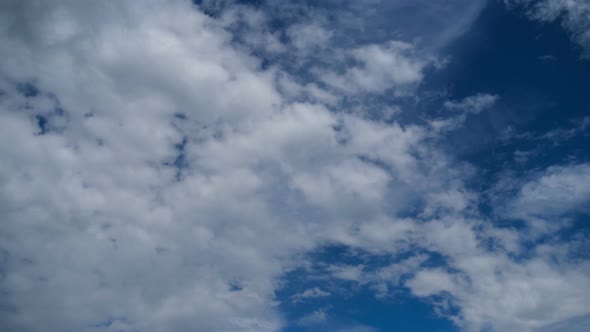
157,175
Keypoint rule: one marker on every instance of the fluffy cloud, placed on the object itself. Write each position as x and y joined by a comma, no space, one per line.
380,68
157,175
492,289
559,190
308,36
91,205
151,165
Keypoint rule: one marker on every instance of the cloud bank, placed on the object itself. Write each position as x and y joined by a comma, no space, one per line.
157,174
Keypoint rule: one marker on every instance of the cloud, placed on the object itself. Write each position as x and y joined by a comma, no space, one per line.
577,324
373,22
431,282
310,293
307,36
473,104
556,191
102,231
314,318
469,105
158,174
379,68
559,135
153,165
572,14
494,291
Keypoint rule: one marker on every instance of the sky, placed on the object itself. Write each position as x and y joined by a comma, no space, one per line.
294,166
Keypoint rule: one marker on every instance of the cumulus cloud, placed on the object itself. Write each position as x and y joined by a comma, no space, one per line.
556,191
494,291
151,165
379,68
308,36
158,175
103,232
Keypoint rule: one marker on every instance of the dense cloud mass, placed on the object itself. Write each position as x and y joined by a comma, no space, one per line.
158,174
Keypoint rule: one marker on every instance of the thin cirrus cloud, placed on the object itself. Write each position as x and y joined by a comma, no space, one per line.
157,174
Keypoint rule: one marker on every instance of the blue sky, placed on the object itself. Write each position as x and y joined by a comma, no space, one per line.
346,166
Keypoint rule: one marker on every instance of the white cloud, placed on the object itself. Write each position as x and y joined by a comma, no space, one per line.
174,180
94,204
577,324
89,205
431,282
492,289
393,65
573,15
473,104
556,191
307,36
310,293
